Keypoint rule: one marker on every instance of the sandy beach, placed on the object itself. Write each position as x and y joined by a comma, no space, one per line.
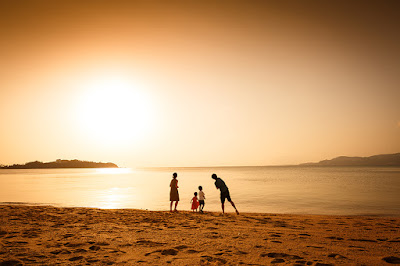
48,235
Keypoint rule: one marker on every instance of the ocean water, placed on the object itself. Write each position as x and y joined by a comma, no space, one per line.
295,190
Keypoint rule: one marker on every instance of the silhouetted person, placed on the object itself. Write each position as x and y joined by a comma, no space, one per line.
173,194
220,184
195,202
202,197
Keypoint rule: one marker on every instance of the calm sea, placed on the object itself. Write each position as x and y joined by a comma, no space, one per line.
297,190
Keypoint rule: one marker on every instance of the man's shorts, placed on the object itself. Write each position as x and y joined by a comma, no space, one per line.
201,202
225,195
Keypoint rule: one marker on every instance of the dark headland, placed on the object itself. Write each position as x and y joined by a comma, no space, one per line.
60,164
376,160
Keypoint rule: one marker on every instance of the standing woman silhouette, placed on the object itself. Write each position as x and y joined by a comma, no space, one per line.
174,195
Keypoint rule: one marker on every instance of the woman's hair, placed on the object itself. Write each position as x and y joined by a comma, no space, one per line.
200,187
195,193
174,175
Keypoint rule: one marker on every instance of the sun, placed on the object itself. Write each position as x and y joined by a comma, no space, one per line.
114,109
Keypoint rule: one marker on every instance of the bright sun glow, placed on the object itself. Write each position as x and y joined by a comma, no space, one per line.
115,110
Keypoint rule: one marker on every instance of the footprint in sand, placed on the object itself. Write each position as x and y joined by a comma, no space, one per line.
102,244
149,243
11,263
68,235
181,247
281,256
73,245
300,262
336,256
80,250
280,224
107,262
56,252
170,251
18,243
275,235
192,251
363,240
239,252
76,258
277,261
317,247
126,245
392,260
208,259
334,238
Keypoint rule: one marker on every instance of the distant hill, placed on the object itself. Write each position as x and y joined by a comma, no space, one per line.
60,164
376,160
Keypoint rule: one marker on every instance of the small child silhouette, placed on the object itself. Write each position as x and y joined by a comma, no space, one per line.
201,198
195,202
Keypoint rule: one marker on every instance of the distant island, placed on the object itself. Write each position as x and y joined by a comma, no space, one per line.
60,164
376,160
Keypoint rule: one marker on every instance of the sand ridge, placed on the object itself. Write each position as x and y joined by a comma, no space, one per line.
48,235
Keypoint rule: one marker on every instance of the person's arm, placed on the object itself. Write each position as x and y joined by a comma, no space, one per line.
177,184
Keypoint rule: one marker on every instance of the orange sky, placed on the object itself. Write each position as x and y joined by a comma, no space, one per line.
185,83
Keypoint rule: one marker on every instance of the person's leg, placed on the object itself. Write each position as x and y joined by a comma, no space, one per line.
223,202
233,205
228,197
170,206
176,204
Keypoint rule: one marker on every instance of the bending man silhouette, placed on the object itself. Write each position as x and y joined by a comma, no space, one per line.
220,184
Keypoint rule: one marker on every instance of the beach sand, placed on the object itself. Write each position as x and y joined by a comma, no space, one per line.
48,235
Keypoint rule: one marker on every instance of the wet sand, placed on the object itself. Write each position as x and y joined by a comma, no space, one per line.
47,235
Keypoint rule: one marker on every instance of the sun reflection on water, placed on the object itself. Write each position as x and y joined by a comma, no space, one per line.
113,171
115,198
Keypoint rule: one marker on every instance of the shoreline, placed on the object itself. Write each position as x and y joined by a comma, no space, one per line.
230,211
48,235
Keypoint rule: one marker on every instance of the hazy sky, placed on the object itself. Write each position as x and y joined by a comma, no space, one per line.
198,83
